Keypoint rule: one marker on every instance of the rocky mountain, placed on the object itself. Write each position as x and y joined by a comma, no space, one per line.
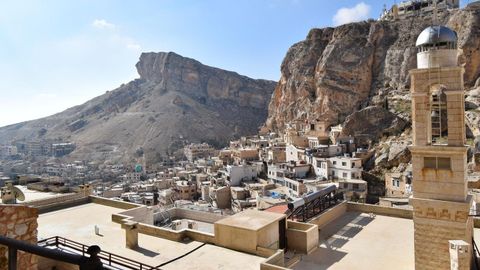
336,72
176,100
356,75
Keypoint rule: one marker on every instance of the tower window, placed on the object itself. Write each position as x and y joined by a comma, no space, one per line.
437,163
438,116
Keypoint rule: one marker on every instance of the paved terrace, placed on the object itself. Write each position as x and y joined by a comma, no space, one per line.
77,224
358,241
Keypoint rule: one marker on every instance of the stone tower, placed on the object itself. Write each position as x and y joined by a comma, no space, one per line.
440,200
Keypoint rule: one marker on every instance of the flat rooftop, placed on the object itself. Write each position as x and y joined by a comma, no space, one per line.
251,219
358,241
77,224
32,195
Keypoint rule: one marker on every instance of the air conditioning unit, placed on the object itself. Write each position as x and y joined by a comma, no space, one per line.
192,225
176,224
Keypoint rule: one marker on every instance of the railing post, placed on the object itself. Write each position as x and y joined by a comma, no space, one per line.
12,258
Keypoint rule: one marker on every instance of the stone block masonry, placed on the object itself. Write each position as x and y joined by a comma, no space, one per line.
19,222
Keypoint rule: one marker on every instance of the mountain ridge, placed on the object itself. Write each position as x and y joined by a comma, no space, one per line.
176,100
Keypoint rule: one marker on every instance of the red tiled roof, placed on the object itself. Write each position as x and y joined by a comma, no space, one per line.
282,209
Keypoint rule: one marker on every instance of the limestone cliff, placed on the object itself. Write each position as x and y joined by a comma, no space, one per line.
176,100
335,72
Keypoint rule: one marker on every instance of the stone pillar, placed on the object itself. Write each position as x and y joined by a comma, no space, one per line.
149,216
131,234
460,255
19,222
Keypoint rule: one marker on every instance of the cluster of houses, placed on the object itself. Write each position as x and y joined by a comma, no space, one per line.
21,149
254,172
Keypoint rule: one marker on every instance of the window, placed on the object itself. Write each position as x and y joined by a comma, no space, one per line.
312,126
437,163
355,186
443,163
344,163
438,115
344,175
334,162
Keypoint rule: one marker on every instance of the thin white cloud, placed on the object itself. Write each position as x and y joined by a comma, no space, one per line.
359,12
102,24
134,46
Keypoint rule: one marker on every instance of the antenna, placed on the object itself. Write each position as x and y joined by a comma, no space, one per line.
435,12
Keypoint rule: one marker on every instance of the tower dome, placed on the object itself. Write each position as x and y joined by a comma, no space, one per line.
434,36
437,47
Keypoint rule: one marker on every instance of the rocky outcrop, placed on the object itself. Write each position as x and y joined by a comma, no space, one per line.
373,121
335,72
175,101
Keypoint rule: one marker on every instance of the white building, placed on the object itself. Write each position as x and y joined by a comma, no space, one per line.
8,150
293,153
237,173
278,172
296,187
338,168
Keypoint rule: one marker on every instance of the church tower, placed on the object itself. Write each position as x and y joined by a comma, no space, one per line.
440,200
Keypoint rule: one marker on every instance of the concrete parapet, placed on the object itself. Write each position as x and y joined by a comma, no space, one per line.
380,210
113,203
274,262
302,237
329,215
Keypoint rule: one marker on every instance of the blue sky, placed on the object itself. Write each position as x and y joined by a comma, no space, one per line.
57,54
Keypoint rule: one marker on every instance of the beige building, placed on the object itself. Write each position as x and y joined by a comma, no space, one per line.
185,190
398,185
439,156
245,154
353,189
276,154
199,150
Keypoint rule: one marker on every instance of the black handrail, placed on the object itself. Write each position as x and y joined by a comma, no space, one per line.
14,245
475,253
108,258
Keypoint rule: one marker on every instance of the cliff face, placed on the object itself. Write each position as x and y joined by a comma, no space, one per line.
177,100
335,72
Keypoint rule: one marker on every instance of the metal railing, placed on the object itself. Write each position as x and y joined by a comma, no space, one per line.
107,258
476,254
14,245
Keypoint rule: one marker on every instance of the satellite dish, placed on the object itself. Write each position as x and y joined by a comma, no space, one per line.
10,194
18,194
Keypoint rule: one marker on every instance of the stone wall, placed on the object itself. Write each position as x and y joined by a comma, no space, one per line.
302,237
274,262
329,215
380,210
18,222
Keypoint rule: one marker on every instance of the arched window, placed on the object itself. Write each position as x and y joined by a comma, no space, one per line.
438,115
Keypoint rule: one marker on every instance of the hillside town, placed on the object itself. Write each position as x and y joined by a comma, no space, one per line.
395,184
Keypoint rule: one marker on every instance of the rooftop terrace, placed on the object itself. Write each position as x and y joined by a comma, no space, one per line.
77,224
360,241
